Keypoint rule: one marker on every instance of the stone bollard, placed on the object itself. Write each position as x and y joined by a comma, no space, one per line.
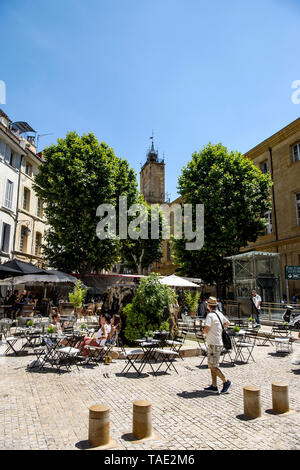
252,407
142,419
99,434
280,397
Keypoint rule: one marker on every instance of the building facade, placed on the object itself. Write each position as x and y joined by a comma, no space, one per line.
11,153
22,224
280,156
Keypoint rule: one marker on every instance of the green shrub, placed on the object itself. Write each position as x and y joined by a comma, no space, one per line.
30,323
149,309
236,328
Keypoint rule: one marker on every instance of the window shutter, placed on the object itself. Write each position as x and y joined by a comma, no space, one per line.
5,238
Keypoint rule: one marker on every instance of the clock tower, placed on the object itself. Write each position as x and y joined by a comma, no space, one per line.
152,178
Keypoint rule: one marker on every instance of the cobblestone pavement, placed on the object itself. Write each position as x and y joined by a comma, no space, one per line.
47,410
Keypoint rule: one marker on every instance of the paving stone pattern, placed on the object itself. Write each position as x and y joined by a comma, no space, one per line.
47,410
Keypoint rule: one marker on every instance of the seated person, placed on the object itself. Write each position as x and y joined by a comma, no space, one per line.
56,323
101,336
116,325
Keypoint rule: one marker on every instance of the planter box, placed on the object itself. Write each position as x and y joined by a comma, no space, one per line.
66,308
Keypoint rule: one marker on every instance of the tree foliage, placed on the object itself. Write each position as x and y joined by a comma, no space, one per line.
236,196
141,253
78,175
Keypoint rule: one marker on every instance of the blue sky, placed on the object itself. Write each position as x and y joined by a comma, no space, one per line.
193,71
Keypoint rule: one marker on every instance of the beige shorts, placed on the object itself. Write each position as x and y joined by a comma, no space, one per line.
213,355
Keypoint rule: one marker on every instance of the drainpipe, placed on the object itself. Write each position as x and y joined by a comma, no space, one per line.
17,206
273,198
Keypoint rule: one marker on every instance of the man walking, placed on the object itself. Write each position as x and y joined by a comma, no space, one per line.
213,331
256,299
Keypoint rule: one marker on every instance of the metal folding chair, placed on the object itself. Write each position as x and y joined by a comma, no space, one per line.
98,354
177,343
67,356
246,345
167,357
11,341
283,345
5,325
202,345
132,357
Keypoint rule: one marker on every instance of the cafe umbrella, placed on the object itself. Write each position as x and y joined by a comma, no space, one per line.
43,279
24,268
8,272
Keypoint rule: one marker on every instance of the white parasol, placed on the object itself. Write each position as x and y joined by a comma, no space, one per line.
176,281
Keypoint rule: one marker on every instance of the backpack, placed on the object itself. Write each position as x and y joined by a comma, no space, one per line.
225,336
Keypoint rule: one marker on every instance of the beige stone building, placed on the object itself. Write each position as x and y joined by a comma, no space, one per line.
280,156
30,217
22,222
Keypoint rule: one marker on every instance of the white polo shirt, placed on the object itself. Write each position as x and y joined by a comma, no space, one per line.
255,300
214,334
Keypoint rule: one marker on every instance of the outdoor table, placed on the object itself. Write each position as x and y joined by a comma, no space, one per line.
148,347
73,339
33,337
48,353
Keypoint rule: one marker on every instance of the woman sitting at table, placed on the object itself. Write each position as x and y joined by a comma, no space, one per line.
116,325
101,336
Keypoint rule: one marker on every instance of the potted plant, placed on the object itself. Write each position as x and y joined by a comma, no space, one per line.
250,322
236,329
191,300
51,330
76,297
30,323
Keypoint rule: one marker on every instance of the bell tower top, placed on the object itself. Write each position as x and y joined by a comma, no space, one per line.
152,177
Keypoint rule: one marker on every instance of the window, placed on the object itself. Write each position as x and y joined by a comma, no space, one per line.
26,199
296,152
28,169
268,216
8,154
39,210
298,207
5,238
264,167
17,162
9,194
2,149
38,242
23,239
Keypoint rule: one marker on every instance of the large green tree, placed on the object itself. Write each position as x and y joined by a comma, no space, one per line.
236,196
78,175
140,253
